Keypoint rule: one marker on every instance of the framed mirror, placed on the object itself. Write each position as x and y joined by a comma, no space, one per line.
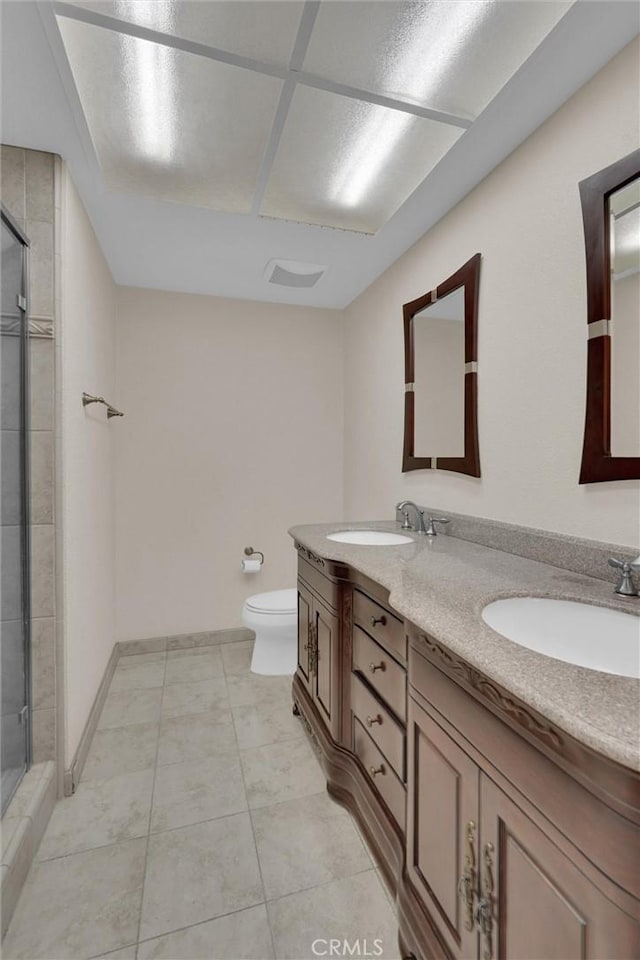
611,214
441,376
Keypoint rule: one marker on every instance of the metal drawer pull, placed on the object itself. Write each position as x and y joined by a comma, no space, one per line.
378,666
372,720
381,620
374,771
467,882
484,910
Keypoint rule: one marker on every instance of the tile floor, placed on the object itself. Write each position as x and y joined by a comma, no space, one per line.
201,829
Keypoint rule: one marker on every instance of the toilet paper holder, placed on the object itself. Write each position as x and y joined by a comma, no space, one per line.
250,552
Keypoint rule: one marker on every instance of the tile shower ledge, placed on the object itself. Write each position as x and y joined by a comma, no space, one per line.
441,585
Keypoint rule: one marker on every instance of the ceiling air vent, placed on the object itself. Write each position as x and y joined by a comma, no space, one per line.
292,273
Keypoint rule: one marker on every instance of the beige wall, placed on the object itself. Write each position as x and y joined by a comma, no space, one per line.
526,221
233,432
86,363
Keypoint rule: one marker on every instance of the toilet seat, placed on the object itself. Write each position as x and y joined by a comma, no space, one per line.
275,603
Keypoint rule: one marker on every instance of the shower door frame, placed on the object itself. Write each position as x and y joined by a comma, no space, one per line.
25,512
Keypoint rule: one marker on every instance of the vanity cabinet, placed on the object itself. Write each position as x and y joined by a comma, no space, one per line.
492,858
378,698
442,830
492,880
502,837
319,645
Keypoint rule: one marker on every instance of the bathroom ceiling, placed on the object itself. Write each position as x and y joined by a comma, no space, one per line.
287,128
207,138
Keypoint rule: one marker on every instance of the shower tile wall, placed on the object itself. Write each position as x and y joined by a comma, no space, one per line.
27,190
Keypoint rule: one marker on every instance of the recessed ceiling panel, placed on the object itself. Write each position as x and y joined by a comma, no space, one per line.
264,30
168,124
348,164
449,55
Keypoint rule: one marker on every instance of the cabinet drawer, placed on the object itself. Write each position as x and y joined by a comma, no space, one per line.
326,589
387,629
381,726
379,772
382,672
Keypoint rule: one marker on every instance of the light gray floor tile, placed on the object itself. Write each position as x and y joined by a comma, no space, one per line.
190,669
353,909
126,953
319,827
197,790
197,736
138,676
101,812
237,656
260,723
118,750
79,906
245,935
199,872
204,696
252,688
281,771
123,707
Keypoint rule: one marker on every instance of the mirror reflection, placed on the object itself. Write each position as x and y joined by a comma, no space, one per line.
438,343
624,232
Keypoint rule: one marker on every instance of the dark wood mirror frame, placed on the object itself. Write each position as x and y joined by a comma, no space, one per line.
468,276
597,462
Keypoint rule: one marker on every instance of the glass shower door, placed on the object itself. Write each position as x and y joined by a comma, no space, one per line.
14,530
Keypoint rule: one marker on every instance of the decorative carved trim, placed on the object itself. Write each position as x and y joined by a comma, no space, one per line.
309,555
39,327
461,670
347,614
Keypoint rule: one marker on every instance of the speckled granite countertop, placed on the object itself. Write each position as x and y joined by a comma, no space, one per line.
442,584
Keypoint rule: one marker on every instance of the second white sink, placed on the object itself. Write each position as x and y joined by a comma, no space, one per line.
579,633
369,538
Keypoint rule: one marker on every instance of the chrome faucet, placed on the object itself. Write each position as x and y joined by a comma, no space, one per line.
419,527
625,586
428,529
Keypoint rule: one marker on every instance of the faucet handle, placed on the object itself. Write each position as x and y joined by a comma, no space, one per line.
625,586
431,530
405,520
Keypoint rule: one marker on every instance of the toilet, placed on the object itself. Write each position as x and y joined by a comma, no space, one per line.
273,617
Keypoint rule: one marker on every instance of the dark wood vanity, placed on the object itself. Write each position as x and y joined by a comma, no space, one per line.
500,835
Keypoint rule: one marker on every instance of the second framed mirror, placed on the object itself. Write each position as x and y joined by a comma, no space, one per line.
441,376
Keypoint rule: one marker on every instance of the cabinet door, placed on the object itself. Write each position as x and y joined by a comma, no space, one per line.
327,683
305,615
442,830
536,901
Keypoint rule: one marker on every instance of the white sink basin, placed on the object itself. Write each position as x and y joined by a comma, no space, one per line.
369,538
594,637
